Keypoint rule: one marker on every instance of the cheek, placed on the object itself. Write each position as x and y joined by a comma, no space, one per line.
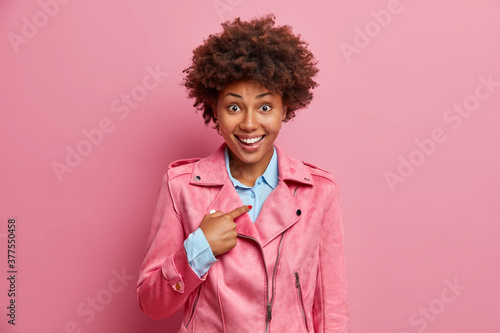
274,125
226,126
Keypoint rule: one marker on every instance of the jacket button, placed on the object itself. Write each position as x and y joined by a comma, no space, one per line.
177,286
298,212
307,179
197,178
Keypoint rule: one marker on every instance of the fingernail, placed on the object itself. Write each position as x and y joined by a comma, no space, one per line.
249,206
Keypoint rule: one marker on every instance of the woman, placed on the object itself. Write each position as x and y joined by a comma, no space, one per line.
248,239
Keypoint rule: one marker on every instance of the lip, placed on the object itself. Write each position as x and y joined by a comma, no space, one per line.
250,147
249,136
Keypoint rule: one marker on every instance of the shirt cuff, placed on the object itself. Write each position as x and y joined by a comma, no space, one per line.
199,253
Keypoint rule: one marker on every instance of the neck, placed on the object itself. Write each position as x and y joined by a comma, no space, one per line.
247,173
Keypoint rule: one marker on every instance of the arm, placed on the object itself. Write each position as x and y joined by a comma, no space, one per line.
165,277
330,308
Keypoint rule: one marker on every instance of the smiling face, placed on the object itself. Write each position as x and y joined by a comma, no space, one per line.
249,117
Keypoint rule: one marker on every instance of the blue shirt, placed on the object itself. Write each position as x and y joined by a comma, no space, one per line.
198,250
264,185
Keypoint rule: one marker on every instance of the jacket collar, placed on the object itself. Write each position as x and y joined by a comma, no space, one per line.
211,170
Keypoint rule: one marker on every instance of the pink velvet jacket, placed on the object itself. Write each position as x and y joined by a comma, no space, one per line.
287,271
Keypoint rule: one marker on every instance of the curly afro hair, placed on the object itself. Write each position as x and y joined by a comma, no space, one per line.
256,49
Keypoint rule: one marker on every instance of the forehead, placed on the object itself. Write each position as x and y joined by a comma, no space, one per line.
249,88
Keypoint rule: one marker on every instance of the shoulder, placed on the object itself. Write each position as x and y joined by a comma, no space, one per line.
320,173
303,172
180,167
324,181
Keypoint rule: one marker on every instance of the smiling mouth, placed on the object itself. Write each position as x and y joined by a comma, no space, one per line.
250,141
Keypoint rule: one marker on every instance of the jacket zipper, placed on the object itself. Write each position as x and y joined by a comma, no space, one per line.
269,306
299,290
194,306
269,310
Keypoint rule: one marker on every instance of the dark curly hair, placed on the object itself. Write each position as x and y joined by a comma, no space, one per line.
256,49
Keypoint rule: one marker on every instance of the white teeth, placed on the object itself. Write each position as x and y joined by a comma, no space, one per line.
253,140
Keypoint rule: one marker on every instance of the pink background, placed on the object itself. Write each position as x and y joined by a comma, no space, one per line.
407,243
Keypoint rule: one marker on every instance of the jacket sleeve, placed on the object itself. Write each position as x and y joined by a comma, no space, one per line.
165,277
330,307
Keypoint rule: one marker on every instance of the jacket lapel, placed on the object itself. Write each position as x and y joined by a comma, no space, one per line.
227,200
278,213
281,209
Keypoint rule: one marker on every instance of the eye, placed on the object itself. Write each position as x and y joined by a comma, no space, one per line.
233,108
265,108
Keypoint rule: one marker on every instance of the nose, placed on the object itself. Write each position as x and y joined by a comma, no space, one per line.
249,121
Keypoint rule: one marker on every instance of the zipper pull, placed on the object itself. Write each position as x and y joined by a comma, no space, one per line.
269,310
297,281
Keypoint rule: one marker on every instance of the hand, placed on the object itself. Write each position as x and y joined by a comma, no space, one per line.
220,230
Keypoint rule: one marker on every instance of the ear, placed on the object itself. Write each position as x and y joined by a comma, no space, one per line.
285,111
213,105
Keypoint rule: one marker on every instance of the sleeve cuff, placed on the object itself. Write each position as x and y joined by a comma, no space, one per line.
199,253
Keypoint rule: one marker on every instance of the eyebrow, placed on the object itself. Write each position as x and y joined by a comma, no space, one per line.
256,97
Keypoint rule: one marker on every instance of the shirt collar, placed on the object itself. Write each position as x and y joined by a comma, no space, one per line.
270,176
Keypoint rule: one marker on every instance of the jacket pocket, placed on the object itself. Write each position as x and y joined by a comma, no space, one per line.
301,302
195,302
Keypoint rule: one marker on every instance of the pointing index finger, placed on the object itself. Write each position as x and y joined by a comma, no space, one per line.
239,211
